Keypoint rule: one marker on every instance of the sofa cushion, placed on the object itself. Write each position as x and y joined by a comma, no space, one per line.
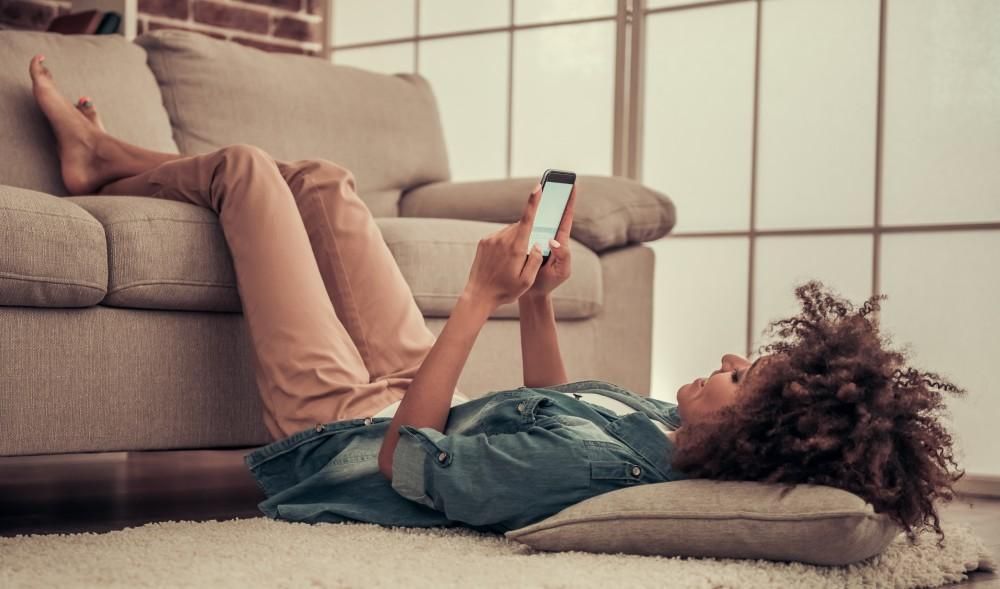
164,254
705,518
384,128
610,211
107,68
167,254
435,256
52,252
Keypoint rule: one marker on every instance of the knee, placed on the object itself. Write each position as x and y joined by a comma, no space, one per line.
325,173
244,152
241,162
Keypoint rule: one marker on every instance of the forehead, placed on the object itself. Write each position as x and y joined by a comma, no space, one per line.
757,363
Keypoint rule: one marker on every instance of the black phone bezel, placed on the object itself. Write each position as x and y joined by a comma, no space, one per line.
560,176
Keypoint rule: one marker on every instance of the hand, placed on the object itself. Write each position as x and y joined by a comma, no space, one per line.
556,269
501,271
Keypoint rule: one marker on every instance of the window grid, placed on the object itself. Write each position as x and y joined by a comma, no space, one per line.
629,129
621,53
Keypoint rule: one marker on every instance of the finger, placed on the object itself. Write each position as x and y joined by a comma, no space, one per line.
556,249
532,264
562,234
528,218
559,253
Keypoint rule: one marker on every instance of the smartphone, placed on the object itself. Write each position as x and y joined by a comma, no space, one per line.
556,188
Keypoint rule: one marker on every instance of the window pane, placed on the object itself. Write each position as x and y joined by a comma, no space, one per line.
942,112
360,21
818,93
697,135
563,109
469,79
663,3
441,16
841,262
531,11
699,309
942,291
388,59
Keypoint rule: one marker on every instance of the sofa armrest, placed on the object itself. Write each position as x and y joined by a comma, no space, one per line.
610,211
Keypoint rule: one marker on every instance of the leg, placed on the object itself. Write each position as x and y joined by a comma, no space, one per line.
88,156
308,369
364,283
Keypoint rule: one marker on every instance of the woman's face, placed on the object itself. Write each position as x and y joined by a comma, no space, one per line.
706,395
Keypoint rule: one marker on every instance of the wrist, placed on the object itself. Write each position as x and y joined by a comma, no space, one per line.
478,306
535,297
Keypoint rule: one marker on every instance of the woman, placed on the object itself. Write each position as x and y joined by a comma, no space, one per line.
361,399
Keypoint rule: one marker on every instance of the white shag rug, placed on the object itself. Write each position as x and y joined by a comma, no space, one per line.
260,552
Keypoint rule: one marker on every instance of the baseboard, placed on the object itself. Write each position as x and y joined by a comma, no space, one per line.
978,485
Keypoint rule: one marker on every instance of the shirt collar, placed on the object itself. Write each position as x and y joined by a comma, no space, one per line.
638,432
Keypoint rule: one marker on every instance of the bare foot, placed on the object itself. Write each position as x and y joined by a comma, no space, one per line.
77,136
86,106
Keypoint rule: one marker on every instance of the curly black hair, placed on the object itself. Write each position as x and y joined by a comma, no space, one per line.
835,406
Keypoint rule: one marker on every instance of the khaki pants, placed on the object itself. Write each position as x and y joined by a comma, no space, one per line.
336,331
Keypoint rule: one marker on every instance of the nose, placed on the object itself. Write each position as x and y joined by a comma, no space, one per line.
729,361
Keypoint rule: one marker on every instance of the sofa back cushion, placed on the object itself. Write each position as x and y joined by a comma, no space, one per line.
384,128
107,68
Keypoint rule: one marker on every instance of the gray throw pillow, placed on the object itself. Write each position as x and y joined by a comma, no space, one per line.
813,524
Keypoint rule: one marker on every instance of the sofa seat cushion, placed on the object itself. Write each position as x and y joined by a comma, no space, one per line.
435,256
52,252
166,254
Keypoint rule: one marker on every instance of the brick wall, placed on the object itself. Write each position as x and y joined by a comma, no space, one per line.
291,26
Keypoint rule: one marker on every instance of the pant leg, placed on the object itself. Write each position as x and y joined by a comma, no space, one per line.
362,279
308,368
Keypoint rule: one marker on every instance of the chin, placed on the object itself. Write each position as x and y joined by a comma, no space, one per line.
682,392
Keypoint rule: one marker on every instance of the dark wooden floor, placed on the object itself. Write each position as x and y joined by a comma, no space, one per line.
112,491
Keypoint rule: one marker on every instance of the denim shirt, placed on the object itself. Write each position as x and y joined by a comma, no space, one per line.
503,461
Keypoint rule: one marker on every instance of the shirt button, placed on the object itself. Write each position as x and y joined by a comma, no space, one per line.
636,471
319,427
368,421
520,407
442,456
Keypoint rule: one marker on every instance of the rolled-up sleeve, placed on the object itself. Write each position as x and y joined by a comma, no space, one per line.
505,480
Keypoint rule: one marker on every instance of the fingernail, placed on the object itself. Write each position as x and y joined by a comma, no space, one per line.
41,59
554,243
536,188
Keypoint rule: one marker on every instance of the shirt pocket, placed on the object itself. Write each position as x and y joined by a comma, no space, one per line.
612,466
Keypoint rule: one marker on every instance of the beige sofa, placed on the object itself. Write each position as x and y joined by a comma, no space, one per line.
120,321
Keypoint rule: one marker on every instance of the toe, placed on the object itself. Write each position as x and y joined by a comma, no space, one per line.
36,67
86,106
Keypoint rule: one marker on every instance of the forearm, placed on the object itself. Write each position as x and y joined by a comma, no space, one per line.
427,401
541,360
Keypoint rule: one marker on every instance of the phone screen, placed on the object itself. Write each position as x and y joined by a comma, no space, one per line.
555,195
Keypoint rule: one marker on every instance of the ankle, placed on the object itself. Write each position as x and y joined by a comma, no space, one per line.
104,147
